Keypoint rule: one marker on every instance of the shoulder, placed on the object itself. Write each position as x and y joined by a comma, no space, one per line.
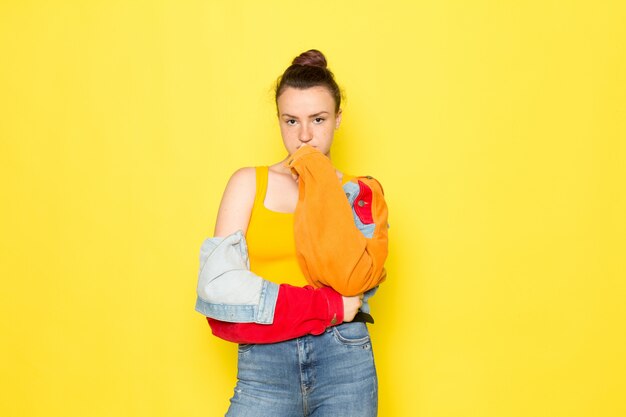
241,186
369,181
369,203
244,177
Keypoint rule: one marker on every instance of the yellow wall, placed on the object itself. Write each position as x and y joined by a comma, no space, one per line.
498,130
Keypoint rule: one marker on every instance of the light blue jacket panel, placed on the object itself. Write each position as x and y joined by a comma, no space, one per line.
227,289
352,191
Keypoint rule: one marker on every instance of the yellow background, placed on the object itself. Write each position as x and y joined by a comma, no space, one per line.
498,130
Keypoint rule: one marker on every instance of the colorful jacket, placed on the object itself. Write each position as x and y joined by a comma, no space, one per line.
244,308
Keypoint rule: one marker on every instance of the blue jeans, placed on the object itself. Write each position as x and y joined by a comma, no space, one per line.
332,374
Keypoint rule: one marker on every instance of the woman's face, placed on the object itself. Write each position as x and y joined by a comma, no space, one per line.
307,117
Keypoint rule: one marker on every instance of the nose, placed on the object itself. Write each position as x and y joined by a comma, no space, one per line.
305,134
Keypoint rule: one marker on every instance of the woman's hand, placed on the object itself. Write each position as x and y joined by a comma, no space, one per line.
351,306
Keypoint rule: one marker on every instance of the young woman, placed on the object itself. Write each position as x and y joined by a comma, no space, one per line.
304,350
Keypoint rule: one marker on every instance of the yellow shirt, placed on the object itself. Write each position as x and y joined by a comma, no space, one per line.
337,248
270,240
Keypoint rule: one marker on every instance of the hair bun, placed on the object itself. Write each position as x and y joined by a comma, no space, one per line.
312,58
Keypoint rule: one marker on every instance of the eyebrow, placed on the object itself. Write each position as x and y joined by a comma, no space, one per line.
313,115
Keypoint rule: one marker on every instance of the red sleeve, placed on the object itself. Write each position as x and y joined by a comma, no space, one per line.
299,311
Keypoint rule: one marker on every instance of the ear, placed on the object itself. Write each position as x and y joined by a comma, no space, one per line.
338,119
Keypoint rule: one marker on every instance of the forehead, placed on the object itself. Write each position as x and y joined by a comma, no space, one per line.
305,102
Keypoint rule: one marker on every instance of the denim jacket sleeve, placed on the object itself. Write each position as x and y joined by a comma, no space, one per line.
242,307
299,311
227,289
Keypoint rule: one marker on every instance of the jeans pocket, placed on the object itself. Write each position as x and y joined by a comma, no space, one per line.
245,347
352,334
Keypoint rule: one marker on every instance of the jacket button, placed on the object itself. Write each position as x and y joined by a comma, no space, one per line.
361,203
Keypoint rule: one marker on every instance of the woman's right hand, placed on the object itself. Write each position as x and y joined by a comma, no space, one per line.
351,306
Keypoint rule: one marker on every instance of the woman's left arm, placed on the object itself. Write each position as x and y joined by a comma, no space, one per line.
330,247
299,311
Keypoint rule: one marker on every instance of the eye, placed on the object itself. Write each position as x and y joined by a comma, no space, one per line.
318,120
290,122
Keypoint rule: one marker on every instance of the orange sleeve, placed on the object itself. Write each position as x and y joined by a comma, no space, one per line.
330,248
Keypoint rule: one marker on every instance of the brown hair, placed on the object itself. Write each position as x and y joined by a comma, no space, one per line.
309,69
